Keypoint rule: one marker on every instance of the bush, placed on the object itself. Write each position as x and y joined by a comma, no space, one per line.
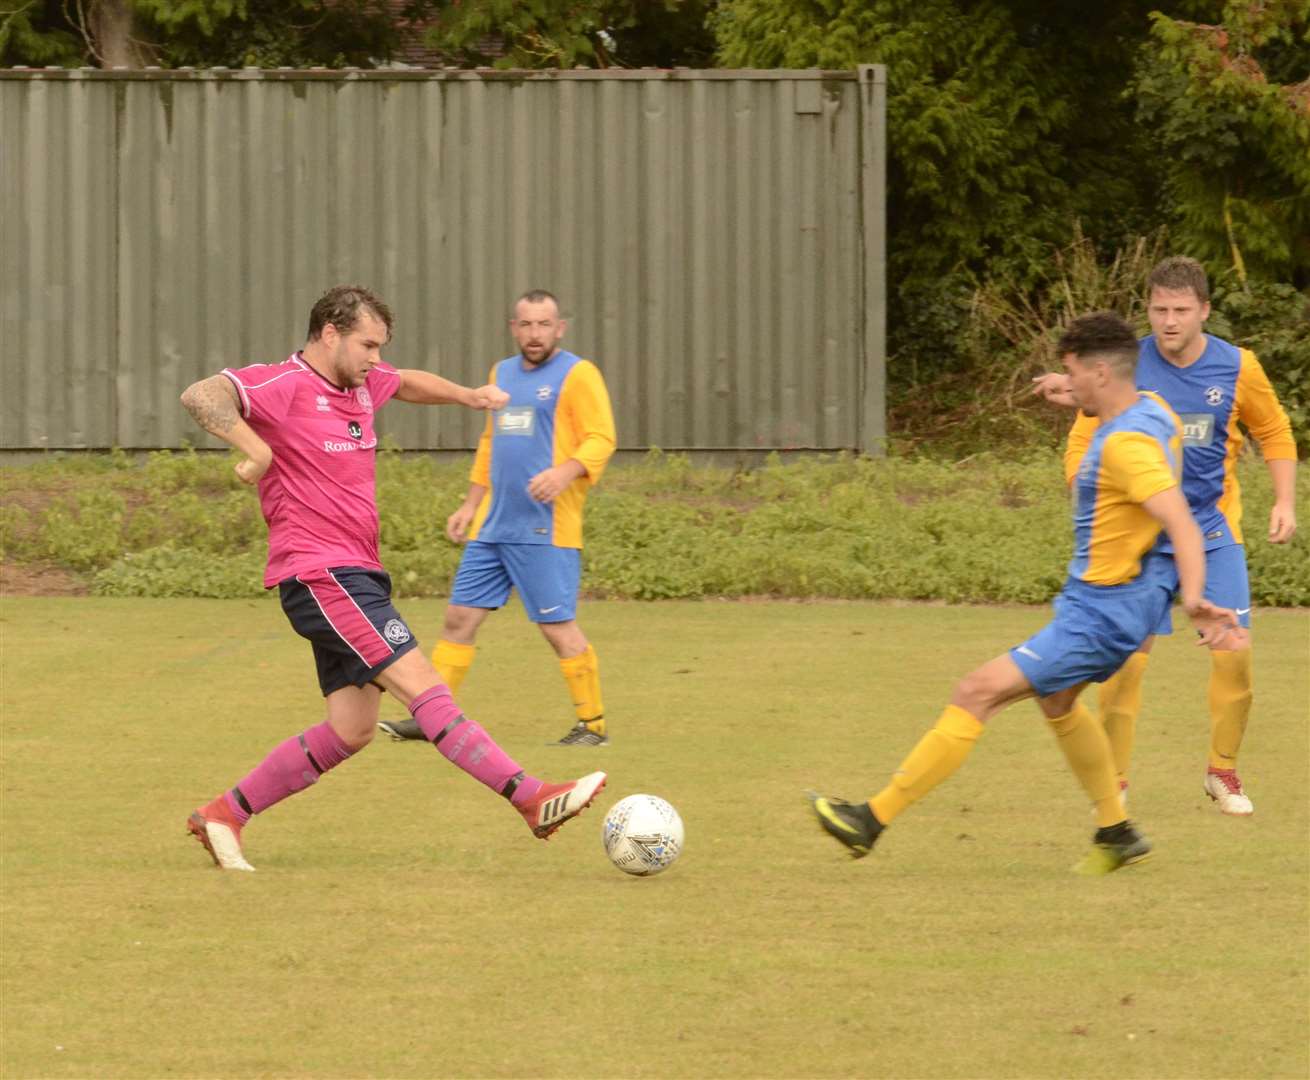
976,531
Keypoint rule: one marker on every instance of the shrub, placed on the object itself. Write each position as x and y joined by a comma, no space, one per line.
978,531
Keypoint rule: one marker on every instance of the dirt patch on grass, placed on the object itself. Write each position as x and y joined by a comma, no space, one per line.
27,579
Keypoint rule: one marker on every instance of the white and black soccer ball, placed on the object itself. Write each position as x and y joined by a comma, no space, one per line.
642,835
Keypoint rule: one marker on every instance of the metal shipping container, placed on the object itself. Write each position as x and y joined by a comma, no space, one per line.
716,238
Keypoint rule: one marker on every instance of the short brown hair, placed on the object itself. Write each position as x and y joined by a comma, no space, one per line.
1180,272
341,306
1102,335
535,296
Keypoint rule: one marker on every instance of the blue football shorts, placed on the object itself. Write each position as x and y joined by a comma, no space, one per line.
346,614
545,576
1226,584
1095,629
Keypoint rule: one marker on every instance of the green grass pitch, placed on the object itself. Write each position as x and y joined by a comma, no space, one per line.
404,923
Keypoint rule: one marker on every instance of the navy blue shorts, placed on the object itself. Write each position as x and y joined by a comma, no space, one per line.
346,614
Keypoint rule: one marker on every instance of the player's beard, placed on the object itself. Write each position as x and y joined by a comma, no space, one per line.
538,354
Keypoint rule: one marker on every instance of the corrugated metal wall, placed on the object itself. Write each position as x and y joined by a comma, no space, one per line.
716,238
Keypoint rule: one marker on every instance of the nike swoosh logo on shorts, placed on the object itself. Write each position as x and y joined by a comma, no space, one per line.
547,610
1243,611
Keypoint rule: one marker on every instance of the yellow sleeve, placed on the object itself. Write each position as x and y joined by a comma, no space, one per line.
1136,464
481,471
589,413
1080,438
1259,409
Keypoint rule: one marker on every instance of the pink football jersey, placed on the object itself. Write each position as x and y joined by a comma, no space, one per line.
319,495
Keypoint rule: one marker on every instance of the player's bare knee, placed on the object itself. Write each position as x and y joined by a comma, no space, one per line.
975,693
356,739
566,638
461,623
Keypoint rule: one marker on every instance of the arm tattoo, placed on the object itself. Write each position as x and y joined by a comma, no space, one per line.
212,404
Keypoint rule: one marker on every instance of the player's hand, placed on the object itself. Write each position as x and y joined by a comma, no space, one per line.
1213,623
1054,387
489,397
1282,524
457,525
251,470
547,484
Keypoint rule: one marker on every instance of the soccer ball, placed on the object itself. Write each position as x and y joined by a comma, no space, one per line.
642,835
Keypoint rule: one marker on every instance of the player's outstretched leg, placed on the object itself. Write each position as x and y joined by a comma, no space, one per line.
545,807
452,662
217,826
1114,848
551,805
854,824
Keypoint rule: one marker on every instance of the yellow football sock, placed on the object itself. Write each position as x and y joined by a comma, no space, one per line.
582,673
1087,750
1121,701
938,754
452,661
1230,705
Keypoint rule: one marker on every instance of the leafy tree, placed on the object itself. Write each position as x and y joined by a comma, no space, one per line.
585,33
1006,124
203,33
1227,108
38,33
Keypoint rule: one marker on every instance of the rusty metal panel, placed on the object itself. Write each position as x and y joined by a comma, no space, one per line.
705,231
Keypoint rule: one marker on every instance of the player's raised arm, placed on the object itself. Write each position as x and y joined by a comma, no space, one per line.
213,404
1170,509
425,388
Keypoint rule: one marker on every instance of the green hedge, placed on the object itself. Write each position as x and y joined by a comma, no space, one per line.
979,531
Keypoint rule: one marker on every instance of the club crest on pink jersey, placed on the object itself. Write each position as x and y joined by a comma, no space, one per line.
364,398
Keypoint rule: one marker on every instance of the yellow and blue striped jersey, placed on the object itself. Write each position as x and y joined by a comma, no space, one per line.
1225,385
1132,457
557,410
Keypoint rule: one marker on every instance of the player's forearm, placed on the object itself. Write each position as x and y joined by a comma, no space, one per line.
1282,472
212,404
571,469
477,492
1170,509
425,388
1189,558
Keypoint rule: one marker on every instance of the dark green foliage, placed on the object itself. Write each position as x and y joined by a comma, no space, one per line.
1006,123
36,34
977,531
589,33
1227,109
268,33
211,33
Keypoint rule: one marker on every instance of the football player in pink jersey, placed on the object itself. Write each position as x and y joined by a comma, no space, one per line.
306,429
